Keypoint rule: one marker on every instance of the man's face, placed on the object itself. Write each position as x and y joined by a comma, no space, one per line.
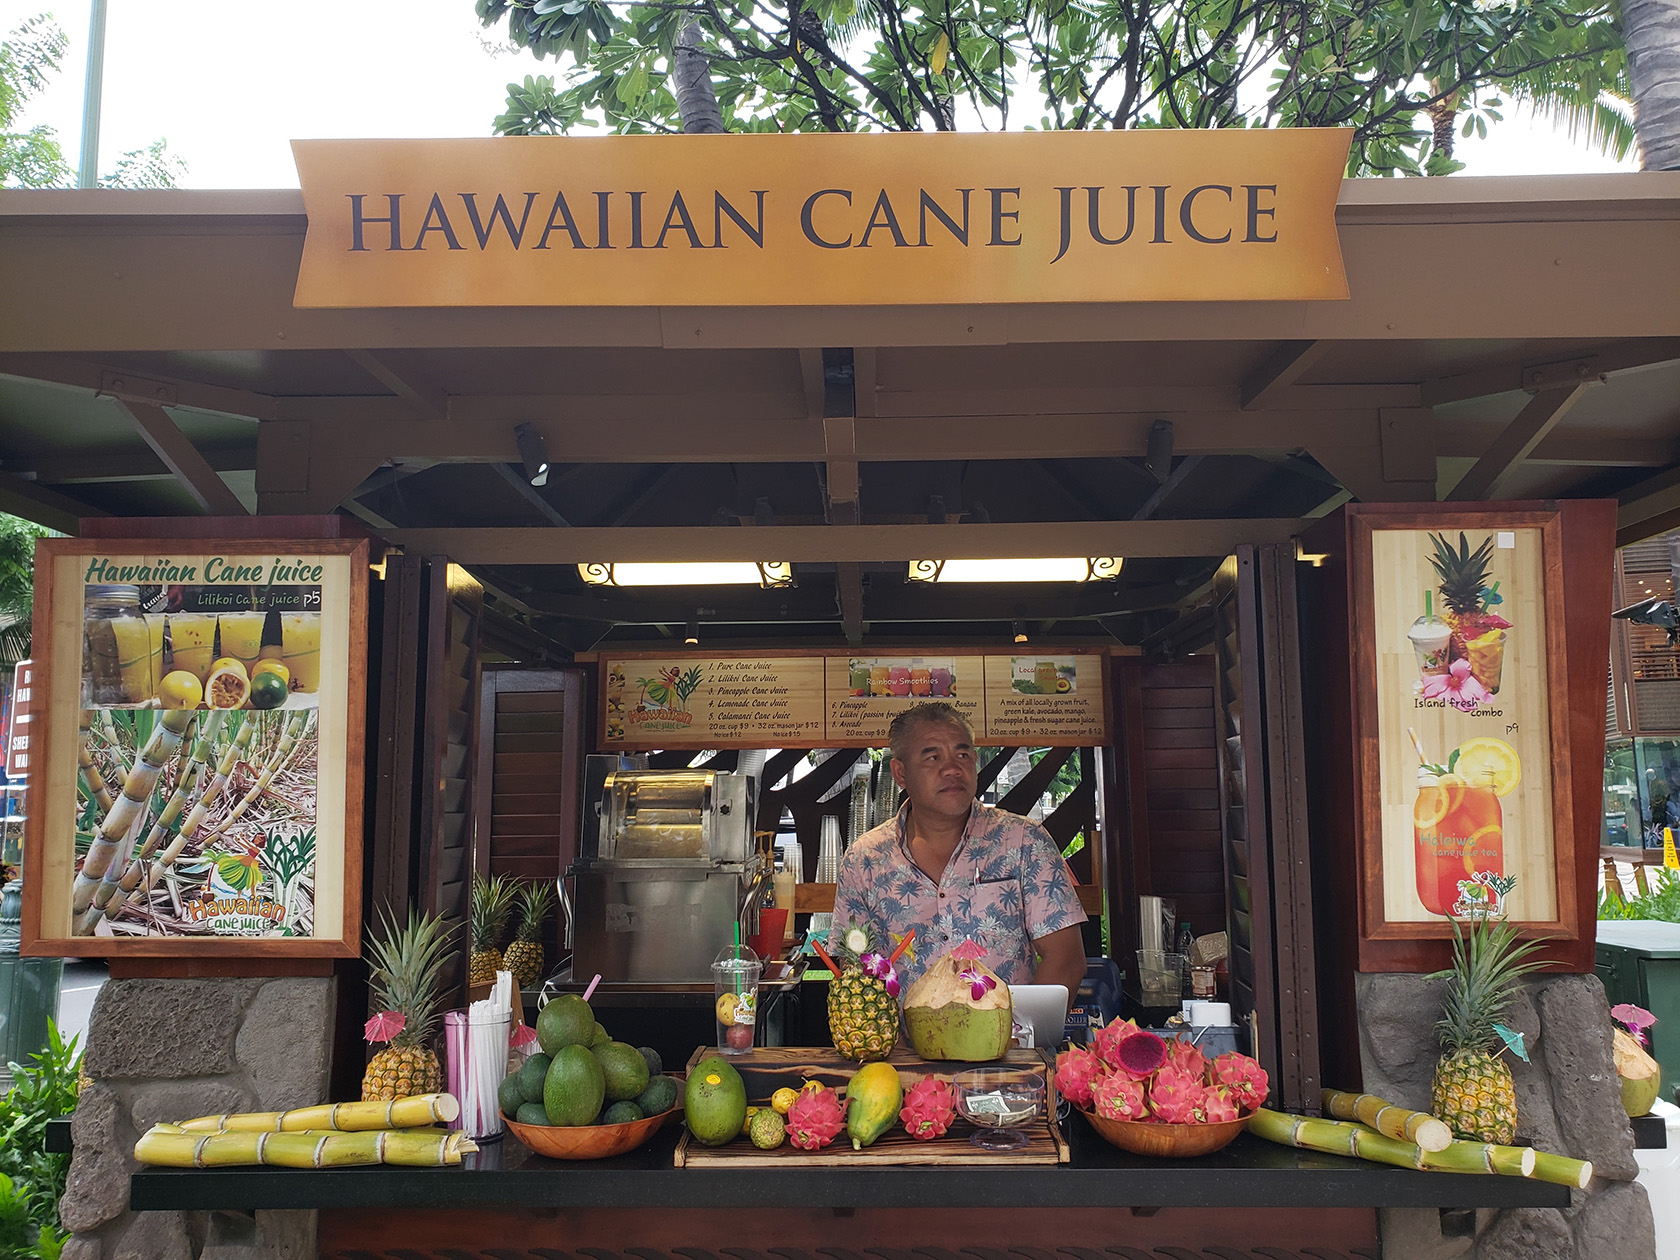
940,775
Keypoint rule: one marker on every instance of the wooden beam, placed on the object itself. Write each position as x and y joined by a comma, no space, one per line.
422,397
1648,507
1632,355
1518,438
848,584
642,495
1282,368
181,457
525,490
1175,479
134,465
44,506
860,543
89,374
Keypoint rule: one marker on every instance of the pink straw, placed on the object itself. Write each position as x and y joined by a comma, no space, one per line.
591,989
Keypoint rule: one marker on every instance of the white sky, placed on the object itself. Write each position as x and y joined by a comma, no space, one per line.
230,83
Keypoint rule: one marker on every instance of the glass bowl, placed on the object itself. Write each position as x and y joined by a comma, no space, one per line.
999,1102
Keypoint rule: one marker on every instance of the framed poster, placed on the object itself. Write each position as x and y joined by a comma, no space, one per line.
1459,650
197,738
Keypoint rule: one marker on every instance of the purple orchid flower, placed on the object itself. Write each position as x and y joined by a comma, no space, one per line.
877,967
979,983
1636,1019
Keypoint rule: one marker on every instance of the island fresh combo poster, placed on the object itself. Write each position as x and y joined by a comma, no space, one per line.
200,699
1463,710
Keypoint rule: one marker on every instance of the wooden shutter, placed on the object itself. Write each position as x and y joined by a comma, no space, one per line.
529,768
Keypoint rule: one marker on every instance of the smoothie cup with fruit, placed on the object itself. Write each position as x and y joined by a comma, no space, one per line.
1430,638
192,642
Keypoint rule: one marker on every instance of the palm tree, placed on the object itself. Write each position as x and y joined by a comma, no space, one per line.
1652,30
17,588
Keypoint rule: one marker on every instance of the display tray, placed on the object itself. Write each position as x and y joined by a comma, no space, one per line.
766,1070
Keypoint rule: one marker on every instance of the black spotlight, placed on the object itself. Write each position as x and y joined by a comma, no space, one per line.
533,451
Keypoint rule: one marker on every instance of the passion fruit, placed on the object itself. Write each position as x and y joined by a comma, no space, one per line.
268,691
180,689
267,666
227,689
229,662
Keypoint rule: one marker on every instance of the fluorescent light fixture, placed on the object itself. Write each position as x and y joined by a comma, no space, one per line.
1042,569
767,573
533,452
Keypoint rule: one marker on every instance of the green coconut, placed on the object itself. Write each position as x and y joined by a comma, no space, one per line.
946,1021
1640,1073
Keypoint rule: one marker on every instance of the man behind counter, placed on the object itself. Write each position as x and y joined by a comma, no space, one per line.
954,869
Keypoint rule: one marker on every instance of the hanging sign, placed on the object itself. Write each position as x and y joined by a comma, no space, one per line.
17,732
195,746
848,699
829,219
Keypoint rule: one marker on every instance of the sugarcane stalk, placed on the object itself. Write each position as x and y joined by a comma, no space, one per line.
108,728
1429,1133
308,1148
1337,1137
96,785
125,875
224,768
351,1117
128,810
288,743
1562,1170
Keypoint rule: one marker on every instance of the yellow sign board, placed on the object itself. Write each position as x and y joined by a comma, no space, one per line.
827,219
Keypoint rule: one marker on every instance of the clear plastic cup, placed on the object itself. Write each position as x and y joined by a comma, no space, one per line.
1160,977
476,1054
735,974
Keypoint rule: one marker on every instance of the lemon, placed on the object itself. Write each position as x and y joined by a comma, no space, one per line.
782,1100
229,662
1489,762
180,689
268,666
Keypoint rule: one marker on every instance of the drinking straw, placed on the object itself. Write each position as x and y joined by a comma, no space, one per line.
591,989
823,954
1422,760
903,945
735,971
1429,605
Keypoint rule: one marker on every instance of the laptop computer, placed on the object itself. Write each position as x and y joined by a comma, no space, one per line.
1043,1008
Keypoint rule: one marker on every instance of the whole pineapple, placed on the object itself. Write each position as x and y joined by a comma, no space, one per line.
492,904
1472,1090
862,1000
525,956
406,966
1463,574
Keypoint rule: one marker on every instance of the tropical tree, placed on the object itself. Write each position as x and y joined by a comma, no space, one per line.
1653,43
17,588
1405,75
29,57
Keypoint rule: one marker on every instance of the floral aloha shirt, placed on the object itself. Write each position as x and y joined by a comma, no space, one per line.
1005,886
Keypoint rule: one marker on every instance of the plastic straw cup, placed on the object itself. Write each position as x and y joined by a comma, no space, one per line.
772,928
476,1049
1160,977
735,976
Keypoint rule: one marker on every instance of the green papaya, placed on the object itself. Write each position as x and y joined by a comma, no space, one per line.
874,1096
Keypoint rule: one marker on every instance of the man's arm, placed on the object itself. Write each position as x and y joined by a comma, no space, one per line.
1061,960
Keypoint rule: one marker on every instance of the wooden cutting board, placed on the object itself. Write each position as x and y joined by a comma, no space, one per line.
766,1070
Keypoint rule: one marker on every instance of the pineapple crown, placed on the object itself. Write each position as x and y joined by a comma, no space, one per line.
1489,960
492,905
1463,572
536,899
405,971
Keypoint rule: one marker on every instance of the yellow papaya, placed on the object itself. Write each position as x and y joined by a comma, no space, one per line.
874,1096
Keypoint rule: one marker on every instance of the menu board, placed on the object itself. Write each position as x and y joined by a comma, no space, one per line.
1464,725
847,699
200,706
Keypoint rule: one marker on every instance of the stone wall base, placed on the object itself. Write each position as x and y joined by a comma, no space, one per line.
1569,1101
172,1050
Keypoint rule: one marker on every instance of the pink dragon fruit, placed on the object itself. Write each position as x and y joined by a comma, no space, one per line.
1175,1098
1117,1098
815,1119
1243,1078
1105,1042
1077,1071
1218,1106
1139,1055
1185,1057
929,1108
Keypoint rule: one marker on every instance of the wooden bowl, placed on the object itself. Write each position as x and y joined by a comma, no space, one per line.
591,1141
1165,1141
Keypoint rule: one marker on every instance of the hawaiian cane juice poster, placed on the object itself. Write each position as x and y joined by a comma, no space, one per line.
1464,725
210,693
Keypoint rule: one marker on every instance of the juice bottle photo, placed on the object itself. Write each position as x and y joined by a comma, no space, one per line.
1458,828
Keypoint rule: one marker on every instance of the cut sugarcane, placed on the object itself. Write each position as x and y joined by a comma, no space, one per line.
308,1148
294,729
351,1117
1337,1137
224,768
1561,1170
1429,1133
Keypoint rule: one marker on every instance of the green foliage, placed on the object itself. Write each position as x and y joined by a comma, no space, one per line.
1380,67
17,577
1662,902
32,1179
29,57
